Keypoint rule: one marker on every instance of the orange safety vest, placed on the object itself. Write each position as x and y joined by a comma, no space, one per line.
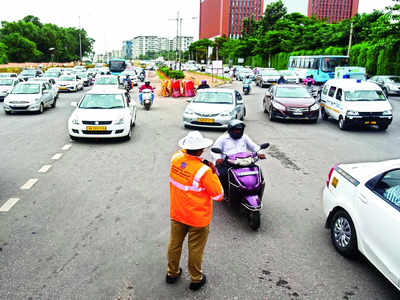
193,187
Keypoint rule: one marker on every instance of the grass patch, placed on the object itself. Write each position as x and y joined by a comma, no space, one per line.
208,74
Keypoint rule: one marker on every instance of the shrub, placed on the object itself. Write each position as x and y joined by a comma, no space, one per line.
173,74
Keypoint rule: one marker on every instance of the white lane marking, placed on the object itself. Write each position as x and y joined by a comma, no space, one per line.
57,156
29,184
45,169
9,204
66,147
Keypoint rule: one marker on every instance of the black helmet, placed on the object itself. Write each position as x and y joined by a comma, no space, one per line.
147,82
236,129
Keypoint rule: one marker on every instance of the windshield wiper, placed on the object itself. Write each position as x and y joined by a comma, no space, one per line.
115,107
95,107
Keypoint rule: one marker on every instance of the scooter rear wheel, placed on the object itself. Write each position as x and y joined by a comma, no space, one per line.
254,220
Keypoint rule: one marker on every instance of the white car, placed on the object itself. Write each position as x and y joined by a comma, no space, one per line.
362,208
50,81
106,81
290,76
214,108
70,82
6,85
29,96
103,113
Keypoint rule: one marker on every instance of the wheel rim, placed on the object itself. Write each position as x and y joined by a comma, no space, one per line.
342,232
270,113
341,122
41,108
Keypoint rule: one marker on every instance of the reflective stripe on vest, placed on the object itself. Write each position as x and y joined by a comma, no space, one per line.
219,197
176,155
185,188
199,175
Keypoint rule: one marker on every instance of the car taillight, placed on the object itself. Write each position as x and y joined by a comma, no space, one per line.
330,175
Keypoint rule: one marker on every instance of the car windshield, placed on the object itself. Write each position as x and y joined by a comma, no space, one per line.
214,97
50,75
102,101
26,89
330,63
6,81
5,75
28,72
365,95
292,92
394,79
67,78
107,81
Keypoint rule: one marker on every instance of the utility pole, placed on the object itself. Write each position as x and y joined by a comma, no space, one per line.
350,39
80,40
180,44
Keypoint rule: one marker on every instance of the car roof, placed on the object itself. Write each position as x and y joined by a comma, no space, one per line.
353,84
290,86
216,90
30,82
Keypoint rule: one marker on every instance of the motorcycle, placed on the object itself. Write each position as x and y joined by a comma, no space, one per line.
141,77
246,88
245,183
147,97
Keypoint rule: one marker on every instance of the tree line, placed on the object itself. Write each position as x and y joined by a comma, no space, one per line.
28,40
270,40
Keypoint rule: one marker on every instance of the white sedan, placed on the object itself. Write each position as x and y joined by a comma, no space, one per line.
70,82
103,113
362,206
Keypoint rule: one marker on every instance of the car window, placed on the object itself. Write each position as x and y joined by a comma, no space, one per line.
332,91
389,187
339,94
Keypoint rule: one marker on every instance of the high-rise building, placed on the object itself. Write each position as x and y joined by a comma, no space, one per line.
127,49
225,17
181,43
332,10
142,45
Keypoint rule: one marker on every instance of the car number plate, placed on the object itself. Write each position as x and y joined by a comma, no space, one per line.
62,88
297,113
96,128
335,182
370,122
205,120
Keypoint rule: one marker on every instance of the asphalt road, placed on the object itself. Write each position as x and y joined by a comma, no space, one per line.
96,225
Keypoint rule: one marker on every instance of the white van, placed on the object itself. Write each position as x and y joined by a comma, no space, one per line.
355,102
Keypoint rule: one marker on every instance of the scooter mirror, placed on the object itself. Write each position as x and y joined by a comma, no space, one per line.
216,150
264,146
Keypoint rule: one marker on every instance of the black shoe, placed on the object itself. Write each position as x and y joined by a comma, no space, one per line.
171,279
194,286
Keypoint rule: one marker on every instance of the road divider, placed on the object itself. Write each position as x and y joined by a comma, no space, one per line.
9,204
57,156
29,184
45,169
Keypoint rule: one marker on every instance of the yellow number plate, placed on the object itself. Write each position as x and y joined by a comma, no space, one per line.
62,88
335,182
204,120
96,128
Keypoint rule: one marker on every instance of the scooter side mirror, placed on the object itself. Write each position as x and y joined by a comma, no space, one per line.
216,150
264,146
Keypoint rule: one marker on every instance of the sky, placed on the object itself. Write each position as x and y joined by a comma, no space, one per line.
110,23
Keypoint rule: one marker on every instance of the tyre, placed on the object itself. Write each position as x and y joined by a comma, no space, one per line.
314,121
343,234
383,127
342,123
41,108
254,220
324,115
53,105
7,112
244,114
271,114
129,136
147,106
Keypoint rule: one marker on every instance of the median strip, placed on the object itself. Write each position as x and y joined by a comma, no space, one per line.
45,169
9,204
57,156
29,184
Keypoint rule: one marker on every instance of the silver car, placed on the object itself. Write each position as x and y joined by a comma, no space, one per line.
389,84
6,86
266,78
29,96
214,108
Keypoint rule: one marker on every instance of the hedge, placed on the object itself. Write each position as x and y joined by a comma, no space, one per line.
173,74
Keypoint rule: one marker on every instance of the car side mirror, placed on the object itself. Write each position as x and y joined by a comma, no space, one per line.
216,150
74,104
264,146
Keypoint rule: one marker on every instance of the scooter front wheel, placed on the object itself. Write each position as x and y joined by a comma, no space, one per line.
254,220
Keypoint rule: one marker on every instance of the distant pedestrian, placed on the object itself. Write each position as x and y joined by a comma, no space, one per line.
193,187
203,85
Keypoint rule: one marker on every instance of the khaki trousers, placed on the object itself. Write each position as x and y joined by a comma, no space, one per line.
196,242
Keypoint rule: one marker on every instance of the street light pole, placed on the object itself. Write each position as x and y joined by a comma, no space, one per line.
350,39
80,40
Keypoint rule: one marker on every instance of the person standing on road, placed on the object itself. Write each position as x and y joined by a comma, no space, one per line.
193,187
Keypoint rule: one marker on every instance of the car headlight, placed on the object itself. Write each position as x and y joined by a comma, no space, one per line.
226,113
75,121
352,113
387,112
119,121
278,106
316,106
188,111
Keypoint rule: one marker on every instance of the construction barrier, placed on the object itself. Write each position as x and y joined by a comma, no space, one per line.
188,89
176,89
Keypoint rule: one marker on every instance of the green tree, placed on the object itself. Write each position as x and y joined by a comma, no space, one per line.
20,49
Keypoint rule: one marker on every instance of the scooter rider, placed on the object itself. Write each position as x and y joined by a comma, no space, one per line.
232,142
203,85
146,85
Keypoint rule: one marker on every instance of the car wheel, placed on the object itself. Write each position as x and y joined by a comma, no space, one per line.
342,123
41,108
244,114
314,121
271,114
343,234
7,112
129,136
265,107
383,127
53,105
324,115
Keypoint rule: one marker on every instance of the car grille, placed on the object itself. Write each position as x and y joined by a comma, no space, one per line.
96,132
19,102
96,122
20,107
207,115
370,114
205,123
